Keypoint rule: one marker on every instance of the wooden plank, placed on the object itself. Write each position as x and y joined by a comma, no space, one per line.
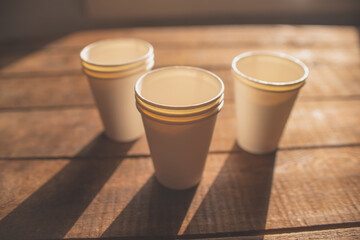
310,124
329,81
236,194
53,207
68,132
59,61
73,90
322,123
244,34
239,192
66,90
323,36
345,234
20,179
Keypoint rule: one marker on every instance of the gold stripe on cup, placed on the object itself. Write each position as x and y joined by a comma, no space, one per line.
119,74
180,112
180,119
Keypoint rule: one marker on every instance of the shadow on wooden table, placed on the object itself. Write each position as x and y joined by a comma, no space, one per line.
52,210
18,49
154,211
237,202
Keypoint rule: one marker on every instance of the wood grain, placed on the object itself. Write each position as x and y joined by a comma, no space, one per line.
66,90
61,177
66,132
59,61
20,179
346,234
323,36
324,82
239,192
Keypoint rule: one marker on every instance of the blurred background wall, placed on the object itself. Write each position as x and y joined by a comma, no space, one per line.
37,18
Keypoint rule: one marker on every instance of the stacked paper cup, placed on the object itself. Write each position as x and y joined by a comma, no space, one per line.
113,66
179,106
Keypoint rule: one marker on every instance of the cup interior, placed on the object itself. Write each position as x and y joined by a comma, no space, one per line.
179,86
113,52
270,68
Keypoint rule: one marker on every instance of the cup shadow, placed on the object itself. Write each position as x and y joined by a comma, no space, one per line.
237,202
52,210
155,211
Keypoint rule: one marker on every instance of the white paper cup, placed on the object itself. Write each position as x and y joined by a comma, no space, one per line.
113,66
179,106
266,87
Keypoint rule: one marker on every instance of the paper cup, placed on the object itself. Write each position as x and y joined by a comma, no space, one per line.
266,87
179,106
113,66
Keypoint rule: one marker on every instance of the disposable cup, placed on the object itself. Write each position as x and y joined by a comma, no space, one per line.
113,66
179,107
266,87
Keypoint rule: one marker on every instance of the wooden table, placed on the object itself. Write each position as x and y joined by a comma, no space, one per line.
61,178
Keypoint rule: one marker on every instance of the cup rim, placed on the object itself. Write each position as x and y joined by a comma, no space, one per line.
91,45
166,106
273,54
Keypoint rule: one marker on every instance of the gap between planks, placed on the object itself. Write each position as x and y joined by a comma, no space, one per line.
139,156
30,74
274,231
5,48
255,233
92,105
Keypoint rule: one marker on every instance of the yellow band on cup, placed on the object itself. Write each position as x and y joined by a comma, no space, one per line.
179,120
177,111
121,74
